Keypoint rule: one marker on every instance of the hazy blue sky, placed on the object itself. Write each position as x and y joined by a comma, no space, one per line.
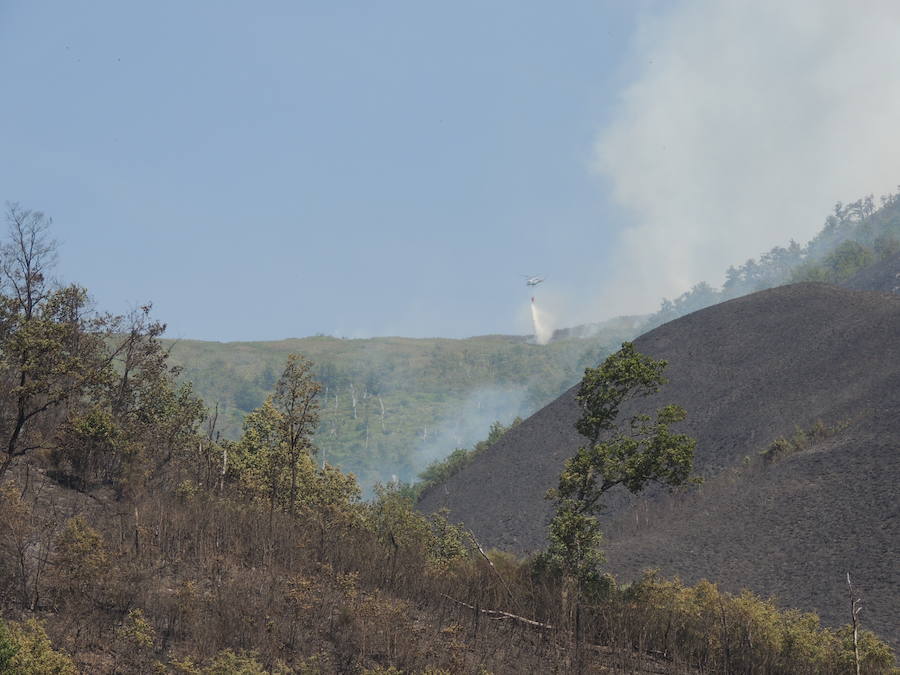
276,169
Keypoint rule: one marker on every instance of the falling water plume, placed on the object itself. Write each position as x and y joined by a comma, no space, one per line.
543,330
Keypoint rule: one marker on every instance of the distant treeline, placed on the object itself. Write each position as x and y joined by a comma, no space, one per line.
853,237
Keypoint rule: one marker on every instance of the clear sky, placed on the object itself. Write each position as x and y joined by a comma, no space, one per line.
280,169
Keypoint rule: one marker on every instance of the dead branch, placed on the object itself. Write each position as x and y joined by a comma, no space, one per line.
500,615
496,571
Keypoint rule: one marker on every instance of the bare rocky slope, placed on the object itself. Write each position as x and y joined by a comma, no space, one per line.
748,371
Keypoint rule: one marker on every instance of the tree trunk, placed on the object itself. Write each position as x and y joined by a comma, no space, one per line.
855,607
293,496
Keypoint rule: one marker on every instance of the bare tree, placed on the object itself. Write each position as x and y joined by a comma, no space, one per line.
26,258
855,608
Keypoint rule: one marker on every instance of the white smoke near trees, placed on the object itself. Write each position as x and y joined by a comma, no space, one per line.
746,121
469,423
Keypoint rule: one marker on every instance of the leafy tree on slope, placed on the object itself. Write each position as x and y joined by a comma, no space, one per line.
295,398
640,451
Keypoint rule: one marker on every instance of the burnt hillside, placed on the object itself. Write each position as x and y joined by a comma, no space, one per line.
747,371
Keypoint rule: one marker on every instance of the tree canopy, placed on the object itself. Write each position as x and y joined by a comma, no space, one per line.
640,450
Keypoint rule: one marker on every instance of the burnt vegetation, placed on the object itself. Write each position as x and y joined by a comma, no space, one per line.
133,539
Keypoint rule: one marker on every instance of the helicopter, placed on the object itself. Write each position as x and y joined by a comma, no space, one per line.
533,280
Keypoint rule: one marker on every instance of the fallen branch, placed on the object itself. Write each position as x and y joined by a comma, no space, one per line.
606,650
496,571
500,615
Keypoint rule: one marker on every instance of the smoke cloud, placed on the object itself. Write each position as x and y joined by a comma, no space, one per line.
746,121
469,423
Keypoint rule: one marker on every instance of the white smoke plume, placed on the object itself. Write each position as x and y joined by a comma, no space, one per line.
745,122
469,423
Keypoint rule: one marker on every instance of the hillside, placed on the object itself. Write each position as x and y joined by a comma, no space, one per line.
748,371
883,276
390,406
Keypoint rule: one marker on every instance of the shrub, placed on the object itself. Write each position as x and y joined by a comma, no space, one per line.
29,651
7,648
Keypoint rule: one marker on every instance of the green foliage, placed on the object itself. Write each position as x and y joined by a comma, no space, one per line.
875,656
398,526
274,458
329,501
848,258
262,461
574,541
448,542
393,518
330,487
643,450
89,445
624,375
295,396
122,413
136,631
810,272
295,399
29,652
81,556
228,662
439,471
8,648
721,632
800,441
647,451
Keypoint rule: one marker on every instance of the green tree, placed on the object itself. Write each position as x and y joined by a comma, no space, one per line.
34,653
80,558
632,454
295,398
263,453
847,259
329,496
135,637
7,648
